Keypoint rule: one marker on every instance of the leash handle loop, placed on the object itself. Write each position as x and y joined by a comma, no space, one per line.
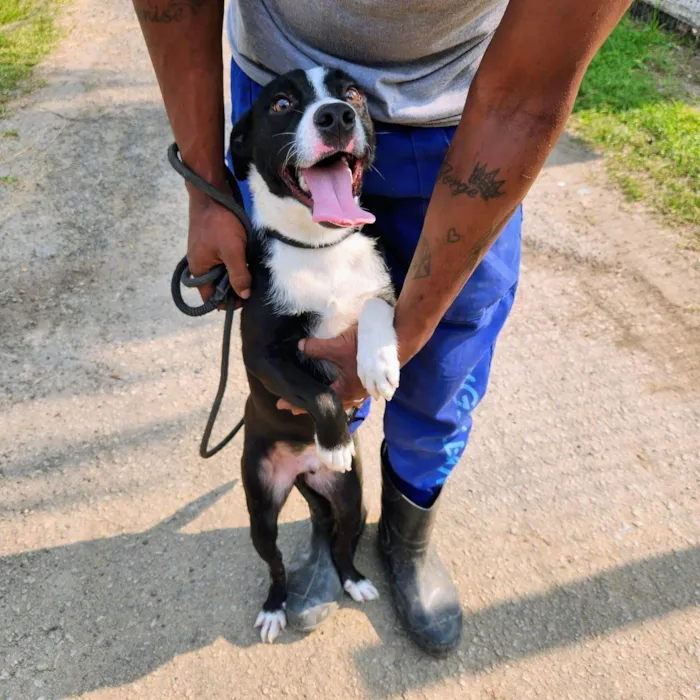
209,277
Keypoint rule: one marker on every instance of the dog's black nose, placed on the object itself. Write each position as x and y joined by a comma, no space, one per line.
335,117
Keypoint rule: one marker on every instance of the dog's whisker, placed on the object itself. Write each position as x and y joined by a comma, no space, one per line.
292,151
290,154
376,170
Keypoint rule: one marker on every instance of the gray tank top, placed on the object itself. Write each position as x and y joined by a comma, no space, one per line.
414,58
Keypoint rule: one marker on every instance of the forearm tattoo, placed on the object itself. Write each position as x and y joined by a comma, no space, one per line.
481,182
422,259
166,11
482,244
421,265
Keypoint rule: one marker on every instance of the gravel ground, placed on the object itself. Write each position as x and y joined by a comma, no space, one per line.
126,569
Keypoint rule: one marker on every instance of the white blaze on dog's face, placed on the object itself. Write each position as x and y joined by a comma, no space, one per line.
304,146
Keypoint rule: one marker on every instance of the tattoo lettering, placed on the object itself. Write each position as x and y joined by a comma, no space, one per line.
422,259
453,236
167,11
482,182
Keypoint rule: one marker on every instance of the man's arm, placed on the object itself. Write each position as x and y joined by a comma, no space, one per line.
518,105
184,42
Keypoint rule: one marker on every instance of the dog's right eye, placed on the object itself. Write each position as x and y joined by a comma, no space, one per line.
281,104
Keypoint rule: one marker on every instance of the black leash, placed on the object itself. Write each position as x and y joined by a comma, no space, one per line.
223,292
218,276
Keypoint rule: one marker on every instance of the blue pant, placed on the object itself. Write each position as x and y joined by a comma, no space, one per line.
427,423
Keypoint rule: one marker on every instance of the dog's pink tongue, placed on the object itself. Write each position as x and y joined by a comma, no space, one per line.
331,190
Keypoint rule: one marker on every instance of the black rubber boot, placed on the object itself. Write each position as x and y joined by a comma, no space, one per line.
314,588
425,597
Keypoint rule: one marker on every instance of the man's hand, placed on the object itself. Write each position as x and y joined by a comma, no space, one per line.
217,236
342,352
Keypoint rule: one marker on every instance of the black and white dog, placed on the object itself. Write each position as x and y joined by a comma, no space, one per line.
304,147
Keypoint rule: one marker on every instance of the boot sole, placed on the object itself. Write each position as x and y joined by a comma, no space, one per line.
437,652
311,619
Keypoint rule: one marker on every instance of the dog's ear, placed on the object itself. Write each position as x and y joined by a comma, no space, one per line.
240,145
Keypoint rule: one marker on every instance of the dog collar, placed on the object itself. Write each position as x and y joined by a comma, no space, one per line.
306,246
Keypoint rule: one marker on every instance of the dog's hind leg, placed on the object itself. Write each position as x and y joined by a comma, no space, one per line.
272,619
314,589
265,502
346,504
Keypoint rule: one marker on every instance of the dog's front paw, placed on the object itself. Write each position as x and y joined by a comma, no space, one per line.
271,623
378,369
361,591
338,458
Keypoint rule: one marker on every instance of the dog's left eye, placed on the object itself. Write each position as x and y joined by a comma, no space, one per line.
281,104
352,95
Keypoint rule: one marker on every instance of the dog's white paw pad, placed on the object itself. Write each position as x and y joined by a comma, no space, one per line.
379,371
337,459
361,591
271,624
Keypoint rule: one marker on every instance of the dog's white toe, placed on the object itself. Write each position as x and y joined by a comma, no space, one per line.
271,624
337,459
362,591
379,371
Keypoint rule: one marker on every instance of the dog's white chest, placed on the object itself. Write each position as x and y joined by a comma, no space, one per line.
331,282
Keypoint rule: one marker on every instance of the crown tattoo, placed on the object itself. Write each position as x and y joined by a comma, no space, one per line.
484,182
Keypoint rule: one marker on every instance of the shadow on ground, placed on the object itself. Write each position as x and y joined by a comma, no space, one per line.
51,458
170,593
570,150
109,611
564,615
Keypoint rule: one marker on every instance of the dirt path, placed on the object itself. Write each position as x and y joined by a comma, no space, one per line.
126,569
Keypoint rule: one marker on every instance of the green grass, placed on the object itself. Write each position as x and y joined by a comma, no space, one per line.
634,108
27,33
